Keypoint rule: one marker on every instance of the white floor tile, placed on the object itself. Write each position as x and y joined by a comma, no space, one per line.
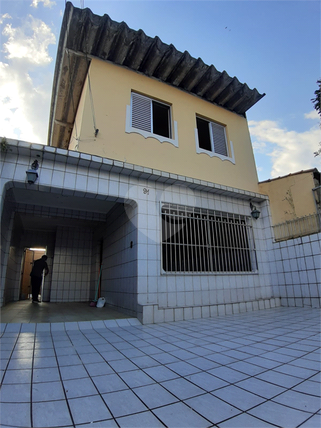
154,395
206,381
178,415
300,401
269,355
123,403
135,378
47,391
15,414
139,420
51,414
212,408
182,388
89,409
244,421
160,373
279,415
237,397
109,383
79,388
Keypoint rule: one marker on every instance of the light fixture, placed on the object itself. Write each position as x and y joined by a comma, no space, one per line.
32,175
37,249
254,212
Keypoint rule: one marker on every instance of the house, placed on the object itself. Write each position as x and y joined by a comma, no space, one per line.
295,203
148,182
294,195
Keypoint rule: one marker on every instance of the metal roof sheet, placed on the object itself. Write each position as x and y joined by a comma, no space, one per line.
85,35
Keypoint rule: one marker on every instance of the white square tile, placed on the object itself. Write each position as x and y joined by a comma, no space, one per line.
238,398
79,387
47,391
51,414
277,414
178,415
109,383
139,420
15,414
89,409
123,403
212,408
182,389
154,395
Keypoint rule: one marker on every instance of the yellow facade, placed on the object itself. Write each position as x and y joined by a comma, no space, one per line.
104,104
290,197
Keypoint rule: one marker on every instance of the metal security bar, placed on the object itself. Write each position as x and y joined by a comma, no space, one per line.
202,240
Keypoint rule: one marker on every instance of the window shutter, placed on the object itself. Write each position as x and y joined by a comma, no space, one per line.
219,139
141,112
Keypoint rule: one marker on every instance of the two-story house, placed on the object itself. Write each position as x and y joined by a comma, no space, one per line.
150,149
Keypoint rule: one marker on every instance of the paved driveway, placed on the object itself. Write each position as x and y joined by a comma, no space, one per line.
258,369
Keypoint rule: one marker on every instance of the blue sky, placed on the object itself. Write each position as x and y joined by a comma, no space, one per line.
271,45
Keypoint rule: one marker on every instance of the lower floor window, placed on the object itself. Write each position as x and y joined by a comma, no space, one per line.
202,240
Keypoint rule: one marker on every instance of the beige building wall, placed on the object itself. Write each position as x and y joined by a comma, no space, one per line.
290,196
105,106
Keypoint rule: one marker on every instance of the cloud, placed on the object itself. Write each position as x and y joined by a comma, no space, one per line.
46,3
312,115
4,16
290,151
24,104
29,42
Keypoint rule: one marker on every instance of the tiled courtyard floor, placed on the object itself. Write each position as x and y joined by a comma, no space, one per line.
258,369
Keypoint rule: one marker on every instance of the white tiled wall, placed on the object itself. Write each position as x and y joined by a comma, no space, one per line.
132,278
296,271
119,272
167,296
295,267
71,265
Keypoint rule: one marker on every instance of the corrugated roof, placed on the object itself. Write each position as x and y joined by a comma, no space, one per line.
85,35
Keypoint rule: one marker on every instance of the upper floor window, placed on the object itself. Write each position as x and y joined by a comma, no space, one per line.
150,118
211,139
211,136
150,115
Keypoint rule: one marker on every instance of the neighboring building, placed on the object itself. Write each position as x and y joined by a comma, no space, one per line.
294,195
294,203
149,173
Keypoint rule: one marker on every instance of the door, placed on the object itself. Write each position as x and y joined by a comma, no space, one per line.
29,257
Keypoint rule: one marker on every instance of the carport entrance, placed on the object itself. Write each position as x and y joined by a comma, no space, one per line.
79,234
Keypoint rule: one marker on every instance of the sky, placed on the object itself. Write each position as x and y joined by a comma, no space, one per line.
273,46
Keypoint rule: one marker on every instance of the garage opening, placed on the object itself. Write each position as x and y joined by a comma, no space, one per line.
80,236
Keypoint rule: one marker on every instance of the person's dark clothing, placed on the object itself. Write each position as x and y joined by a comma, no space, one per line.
35,286
38,267
36,277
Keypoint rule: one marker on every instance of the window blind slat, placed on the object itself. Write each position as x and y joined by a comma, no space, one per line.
141,112
219,139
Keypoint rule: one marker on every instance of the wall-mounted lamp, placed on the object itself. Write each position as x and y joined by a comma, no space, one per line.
32,175
254,212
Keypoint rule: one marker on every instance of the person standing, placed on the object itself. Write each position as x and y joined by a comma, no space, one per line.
39,266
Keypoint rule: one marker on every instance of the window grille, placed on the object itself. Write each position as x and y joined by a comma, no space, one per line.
202,240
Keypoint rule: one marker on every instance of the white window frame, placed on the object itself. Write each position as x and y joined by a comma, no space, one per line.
149,134
212,152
